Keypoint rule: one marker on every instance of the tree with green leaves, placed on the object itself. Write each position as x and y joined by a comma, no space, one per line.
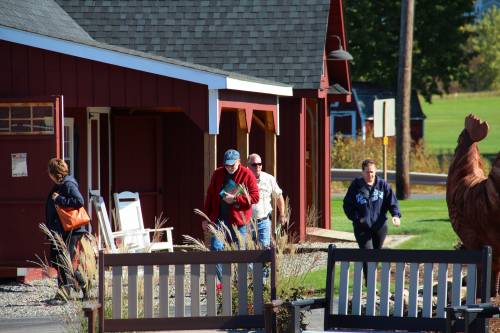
440,56
484,41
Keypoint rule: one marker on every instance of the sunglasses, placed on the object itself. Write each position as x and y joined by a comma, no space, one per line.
256,164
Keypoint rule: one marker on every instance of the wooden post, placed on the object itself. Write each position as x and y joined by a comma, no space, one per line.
403,100
209,166
242,137
270,159
385,141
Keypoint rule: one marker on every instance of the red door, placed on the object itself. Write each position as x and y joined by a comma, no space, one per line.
30,134
138,159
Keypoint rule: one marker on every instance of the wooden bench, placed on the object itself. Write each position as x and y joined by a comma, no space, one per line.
162,303
343,305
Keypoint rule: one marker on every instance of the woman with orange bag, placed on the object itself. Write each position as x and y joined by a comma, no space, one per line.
65,193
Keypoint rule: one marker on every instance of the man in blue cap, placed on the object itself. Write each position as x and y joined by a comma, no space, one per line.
226,201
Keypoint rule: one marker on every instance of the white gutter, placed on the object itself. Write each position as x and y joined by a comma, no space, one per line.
177,71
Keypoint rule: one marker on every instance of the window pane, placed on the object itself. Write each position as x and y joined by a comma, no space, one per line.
21,112
21,125
4,113
43,125
4,126
42,111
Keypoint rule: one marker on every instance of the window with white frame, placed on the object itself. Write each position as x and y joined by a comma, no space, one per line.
69,143
26,118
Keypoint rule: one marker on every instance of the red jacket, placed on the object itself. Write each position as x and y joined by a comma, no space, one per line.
241,211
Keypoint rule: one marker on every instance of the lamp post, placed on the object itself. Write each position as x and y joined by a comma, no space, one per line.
339,54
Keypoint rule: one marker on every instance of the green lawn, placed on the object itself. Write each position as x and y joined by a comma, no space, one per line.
445,120
426,219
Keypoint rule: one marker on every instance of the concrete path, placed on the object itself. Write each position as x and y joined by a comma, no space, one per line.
38,325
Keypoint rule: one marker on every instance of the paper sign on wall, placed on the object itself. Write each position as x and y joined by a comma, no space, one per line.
19,165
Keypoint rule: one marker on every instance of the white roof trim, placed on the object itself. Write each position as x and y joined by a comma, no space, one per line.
265,88
212,80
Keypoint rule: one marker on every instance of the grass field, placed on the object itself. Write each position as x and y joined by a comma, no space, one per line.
426,219
445,120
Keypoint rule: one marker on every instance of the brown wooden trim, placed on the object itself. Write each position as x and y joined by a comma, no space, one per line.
409,256
186,323
186,258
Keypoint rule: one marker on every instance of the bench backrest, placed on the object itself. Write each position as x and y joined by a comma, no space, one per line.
388,272
178,290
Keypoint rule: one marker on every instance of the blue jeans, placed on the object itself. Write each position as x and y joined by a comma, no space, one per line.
263,234
218,245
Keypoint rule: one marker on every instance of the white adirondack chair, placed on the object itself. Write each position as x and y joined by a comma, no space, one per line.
109,236
129,217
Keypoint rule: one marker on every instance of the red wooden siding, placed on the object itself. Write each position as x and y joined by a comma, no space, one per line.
291,147
87,83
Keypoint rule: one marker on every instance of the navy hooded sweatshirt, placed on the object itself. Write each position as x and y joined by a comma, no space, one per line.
69,196
370,202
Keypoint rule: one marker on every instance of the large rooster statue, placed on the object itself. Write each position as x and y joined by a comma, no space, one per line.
474,199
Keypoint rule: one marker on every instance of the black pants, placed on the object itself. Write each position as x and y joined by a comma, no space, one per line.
370,239
56,257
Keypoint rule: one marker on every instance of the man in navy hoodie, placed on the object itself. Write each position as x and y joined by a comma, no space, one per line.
366,204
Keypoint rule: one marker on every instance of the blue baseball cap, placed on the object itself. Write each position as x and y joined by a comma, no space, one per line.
231,156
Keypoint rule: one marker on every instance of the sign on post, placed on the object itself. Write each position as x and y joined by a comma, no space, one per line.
384,112
384,124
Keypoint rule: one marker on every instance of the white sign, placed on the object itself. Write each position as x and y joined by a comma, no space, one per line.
19,165
384,111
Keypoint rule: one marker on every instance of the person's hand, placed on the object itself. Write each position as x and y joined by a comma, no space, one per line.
362,220
476,128
282,219
55,195
229,199
204,225
396,221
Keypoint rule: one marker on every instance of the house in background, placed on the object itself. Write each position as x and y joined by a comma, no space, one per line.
281,41
355,118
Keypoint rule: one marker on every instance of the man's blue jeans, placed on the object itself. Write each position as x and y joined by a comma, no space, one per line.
218,244
263,234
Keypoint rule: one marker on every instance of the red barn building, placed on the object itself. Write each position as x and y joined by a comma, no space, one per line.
154,92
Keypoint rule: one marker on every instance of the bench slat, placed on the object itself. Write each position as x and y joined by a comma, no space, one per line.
163,291
471,284
344,287
242,289
132,291
179,290
331,294
195,290
357,288
371,288
398,293
210,285
412,302
148,291
226,290
428,279
385,287
116,292
258,289
442,296
456,284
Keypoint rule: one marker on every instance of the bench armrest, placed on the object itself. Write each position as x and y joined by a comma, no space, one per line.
470,313
296,307
90,312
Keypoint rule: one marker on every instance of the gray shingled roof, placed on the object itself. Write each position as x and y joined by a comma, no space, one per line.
280,40
45,17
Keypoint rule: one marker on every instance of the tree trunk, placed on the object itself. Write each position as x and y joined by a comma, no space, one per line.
403,100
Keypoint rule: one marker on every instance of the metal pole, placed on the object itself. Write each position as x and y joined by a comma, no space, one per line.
384,142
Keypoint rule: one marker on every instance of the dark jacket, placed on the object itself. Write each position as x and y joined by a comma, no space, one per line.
241,212
69,196
370,204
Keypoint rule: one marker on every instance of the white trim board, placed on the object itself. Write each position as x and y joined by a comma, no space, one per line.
177,71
